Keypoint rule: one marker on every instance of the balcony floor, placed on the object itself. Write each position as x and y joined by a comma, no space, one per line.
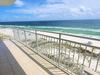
16,59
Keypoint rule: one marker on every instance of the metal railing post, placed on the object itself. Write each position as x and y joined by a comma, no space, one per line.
59,49
25,36
84,60
97,62
91,57
13,31
36,41
18,34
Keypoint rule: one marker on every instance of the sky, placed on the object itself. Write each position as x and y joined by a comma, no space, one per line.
37,10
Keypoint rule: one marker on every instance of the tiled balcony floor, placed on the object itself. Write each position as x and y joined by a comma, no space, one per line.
16,59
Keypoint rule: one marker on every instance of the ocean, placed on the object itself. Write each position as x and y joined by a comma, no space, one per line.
78,27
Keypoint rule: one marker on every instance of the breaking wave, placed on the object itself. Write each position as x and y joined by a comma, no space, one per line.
69,28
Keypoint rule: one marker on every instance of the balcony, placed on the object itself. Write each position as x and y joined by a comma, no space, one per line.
16,59
31,51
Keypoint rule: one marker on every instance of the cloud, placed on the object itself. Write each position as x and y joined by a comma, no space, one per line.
19,3
3,19
74,10
24,16
16,16
91,13
29,17
58,8
6,10
82,8
54,1
5,15
67,2
81,11
24,11
98,12
44,16
89,9
47,9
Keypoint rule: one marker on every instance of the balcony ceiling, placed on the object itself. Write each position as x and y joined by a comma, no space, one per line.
6,2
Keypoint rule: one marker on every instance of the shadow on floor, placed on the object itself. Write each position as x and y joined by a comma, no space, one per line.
8,64
47,69
33,59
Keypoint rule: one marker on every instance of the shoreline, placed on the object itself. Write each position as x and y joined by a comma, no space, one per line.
66,30
71,38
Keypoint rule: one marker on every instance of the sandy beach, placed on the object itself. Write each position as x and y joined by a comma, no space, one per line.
31,35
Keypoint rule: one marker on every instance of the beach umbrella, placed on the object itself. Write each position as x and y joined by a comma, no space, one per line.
29,34
89,42
6,2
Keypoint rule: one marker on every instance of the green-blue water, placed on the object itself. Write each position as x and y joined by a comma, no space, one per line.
86,27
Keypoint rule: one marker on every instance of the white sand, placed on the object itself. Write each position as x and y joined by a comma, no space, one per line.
9,31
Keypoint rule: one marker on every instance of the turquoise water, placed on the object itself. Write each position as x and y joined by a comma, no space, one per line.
86,27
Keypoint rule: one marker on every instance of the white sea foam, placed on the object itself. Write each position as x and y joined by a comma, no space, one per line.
64,29
61,28
83,29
